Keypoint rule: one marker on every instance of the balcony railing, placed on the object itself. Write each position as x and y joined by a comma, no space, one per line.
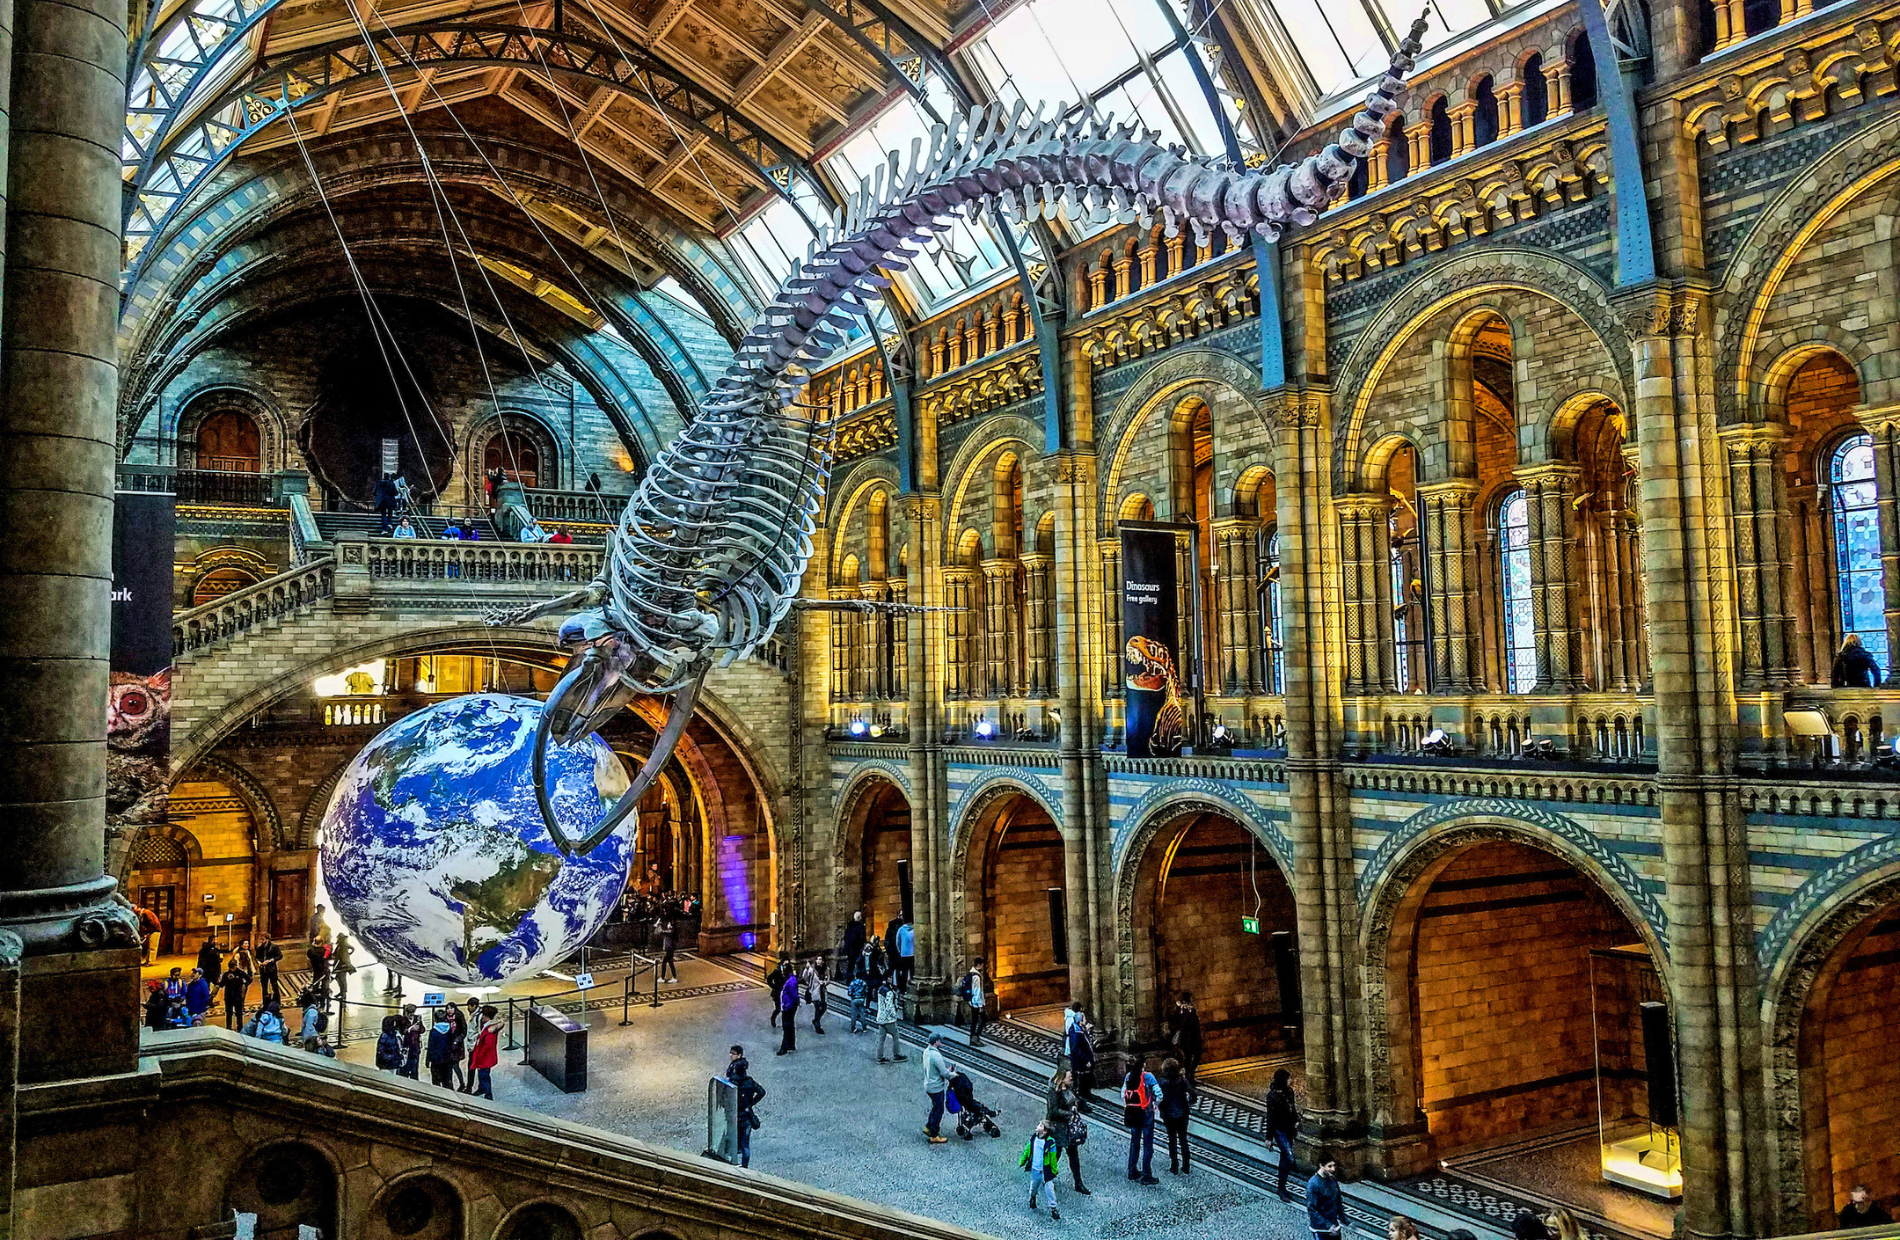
254,605
592,506
204,486
405,559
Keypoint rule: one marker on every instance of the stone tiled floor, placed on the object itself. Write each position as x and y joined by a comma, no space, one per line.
835,1118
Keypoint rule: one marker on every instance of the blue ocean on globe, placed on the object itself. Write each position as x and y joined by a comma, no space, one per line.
435,855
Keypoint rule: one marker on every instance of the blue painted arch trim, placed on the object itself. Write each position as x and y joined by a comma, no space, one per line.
1201,793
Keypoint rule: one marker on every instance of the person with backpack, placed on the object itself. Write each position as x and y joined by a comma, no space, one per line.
315,1020
812,990
751,1093
1175,1105
442,1053
669,941
389,1044
486,1053
775,983
1040,1161
970,990
1140,1096
788,1011
887,1024
1283,1120
859,991
267,1025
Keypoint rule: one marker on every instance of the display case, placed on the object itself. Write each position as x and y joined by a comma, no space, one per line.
1635,1073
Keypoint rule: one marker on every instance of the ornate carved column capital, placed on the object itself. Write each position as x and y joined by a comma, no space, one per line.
1362,506
1562,475
1661,311
1878,418
1464,489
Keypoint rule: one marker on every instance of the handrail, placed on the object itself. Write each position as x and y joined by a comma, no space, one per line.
305,537
418,559
582,506
241,610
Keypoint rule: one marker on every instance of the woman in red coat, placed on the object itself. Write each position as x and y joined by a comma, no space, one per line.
485,1055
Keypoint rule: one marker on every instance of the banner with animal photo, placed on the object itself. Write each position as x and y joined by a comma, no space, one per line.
139,710
1155,699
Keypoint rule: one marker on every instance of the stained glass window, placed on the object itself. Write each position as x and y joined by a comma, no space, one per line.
1514,571
1276,645
1861,583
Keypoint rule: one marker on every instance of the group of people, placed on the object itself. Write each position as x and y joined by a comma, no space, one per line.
456,1060
181,1000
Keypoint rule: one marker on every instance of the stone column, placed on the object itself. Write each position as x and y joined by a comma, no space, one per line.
1366,571
841,652
1234,580
1886,436
1756,498
960,637
1039,624
1549,490
927,685
999,627
58,398
1707,896
1731,25
1805,544
872,628
1446,511
1109,555
1080,660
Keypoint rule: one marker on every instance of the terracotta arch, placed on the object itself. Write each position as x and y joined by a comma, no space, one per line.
978,822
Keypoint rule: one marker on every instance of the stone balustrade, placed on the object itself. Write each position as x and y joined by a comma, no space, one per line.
468,563
582,506
260,603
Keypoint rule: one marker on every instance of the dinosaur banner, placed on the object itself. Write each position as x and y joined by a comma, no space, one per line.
1151,644
139,709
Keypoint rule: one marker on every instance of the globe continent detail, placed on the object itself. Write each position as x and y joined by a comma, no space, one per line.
435,855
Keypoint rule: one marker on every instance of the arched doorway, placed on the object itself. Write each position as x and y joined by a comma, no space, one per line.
288,1187
1214,917
1516,1036
884,890
228,442
1015,905
515,455
1849,1077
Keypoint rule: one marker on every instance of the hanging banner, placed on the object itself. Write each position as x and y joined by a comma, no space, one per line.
1156,705
139,710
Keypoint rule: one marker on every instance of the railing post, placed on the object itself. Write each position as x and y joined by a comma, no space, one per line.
626,1000
352,582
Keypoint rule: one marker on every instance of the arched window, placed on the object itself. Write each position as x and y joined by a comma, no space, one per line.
1398,151
1536,91
1514,571
1583,73
1860,583
228,442
1484,122
1440,140
1276,641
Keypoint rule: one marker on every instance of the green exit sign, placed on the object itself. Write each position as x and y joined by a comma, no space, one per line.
1250,924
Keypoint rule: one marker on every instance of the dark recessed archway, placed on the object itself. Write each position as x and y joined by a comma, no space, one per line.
375,387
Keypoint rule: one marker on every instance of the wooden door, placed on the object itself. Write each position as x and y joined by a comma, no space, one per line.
163,901
289,907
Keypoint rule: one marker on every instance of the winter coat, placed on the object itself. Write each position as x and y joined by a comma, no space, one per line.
936,1071
441,1043
1174,1098
1322,1204
887,1006
1283,1111
788,993
198,997
485,1054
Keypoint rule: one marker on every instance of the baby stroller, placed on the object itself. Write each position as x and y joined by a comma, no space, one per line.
971,1114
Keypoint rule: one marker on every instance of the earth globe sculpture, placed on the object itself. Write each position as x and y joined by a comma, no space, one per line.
436,855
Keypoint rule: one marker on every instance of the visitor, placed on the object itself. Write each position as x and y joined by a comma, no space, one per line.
471,1027
669,943
319,928
532,533
936,1082
268,1024
1862,1211
1283,1120
175,983
887,1024
211,961
389,1044
314,1020
970,990
1322,1201
237,985
319,957
872,965
411,1042
176,1017
197,994
813,991
1854,668
1527,1226
905,944
859,990
269,955
751,1093
404,529
342,961
385,503
1184,1031
452,532
1140,1097
1175,1107
491,484
486,1055
458,1048
157,1007
1081,1048
442,1052
1064,1109
1561,1221
788,1011
561,538
470,533
149,930
775,984
1404,1228
1039,1160
853,941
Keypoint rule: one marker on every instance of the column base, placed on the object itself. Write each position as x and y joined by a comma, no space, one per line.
79,1015
932,1002
729,940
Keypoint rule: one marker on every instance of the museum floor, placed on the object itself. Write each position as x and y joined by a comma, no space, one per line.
835,1118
